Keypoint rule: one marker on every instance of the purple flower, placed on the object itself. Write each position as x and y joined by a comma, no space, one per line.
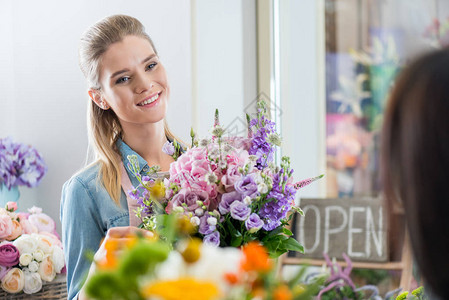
247,186
212,239
20,164
226,200
205,228
9,255
279,204
3,271
188,199
261,127
168,148
253,223
239,211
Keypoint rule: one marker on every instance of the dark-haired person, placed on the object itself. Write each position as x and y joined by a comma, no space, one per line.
415,163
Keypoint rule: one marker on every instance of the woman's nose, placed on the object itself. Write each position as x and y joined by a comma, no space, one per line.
142,84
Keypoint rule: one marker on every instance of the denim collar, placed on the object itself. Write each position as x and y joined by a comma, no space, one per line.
125,150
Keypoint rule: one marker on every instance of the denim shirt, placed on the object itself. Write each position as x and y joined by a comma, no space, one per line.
87,212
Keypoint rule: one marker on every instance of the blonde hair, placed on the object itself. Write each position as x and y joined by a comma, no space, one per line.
104,128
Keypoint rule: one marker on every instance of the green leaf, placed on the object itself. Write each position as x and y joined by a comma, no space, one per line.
287,232
292,245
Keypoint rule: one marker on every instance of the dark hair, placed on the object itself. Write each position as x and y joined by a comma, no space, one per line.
415,161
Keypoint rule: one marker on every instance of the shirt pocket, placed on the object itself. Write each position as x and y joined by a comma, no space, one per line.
119,220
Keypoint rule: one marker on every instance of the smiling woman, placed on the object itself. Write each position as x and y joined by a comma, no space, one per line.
129,91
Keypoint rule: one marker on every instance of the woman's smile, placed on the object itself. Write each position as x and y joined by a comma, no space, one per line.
151,100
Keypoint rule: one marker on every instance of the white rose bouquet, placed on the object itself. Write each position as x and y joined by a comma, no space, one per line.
30,250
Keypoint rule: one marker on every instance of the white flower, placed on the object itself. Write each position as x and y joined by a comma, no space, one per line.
26,243
199,211
211,178
212,221
33,283
217,131
25,259
195,221
178,209
35,210
57,256
204,142
262,188
213,154
43,243
3,211
214,262
38,255
274,139
252,158
33,266
247,200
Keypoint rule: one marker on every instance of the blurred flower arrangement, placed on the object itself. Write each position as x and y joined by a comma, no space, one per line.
30,249
229,188
354,119
183,267
149,268
438,33
20,164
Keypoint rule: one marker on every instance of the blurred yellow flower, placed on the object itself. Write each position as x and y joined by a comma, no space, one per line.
182,288
157,190
192,251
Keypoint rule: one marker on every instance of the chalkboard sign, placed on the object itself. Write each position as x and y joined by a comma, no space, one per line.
355,226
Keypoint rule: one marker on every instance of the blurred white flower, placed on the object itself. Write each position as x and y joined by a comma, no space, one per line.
26,243
57,256
25,259
38,255
35,210
195,221
33,283
33,266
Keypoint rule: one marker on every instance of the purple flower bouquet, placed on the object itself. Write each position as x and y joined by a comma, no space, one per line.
20,164
229,188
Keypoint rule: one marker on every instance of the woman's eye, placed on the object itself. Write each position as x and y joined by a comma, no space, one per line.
151,66
122,80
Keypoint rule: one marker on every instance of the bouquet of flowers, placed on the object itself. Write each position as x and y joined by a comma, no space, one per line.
20,164
150,268
229,188
30,250
183,267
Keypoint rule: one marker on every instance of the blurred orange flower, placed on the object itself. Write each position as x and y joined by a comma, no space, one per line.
255,258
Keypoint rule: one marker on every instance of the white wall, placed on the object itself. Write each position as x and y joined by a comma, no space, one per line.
43,93
301,102
224,36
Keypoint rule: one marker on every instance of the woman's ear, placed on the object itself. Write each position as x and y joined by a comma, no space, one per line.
95,96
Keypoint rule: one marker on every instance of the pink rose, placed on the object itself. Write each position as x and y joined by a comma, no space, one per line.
11,206
42,222
15,232
6,226
232,175
200,168
27,227
22,215
14,281
9,255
